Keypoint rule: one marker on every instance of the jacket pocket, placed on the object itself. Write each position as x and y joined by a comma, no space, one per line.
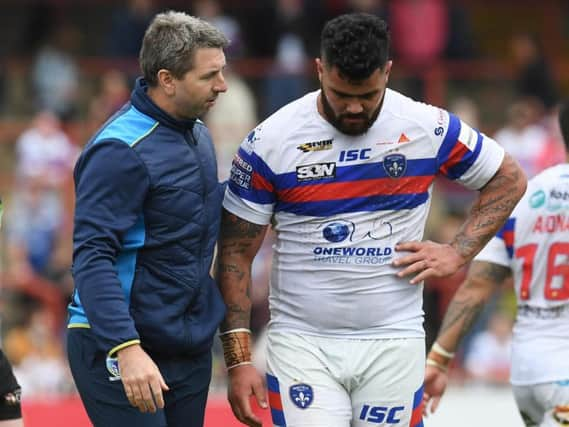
160,301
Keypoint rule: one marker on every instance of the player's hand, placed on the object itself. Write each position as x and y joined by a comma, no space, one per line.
245,381
427,259
141,378
435,385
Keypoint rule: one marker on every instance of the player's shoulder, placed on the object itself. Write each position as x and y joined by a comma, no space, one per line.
410,109
409,112
279,128
549,179
290,117
558,174
549,186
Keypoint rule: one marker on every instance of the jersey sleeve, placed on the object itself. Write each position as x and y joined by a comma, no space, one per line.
500,249
465,154
250,193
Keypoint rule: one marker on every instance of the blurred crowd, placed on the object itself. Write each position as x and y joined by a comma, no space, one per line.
62,101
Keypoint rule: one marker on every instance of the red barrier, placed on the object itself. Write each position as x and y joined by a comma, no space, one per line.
66,412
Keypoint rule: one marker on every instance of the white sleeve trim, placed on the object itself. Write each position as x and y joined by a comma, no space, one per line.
486,165
249,211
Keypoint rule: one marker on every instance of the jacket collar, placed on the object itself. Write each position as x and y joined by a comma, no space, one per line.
141,101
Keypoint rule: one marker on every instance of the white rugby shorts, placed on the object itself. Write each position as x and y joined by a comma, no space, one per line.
544,405
331,382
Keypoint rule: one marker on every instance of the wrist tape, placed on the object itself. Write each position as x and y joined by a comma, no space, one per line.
236,347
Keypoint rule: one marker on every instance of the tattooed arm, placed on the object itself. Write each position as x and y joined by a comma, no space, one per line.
463,310
469,300
239,242
496,201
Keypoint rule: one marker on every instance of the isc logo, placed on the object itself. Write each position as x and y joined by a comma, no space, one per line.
380,414
351,155
316,171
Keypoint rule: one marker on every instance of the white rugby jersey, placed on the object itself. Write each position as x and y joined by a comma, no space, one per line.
340,203
534,243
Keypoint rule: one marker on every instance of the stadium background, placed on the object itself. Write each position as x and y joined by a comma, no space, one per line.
65,65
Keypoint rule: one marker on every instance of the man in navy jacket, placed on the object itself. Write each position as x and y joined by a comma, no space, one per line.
145,308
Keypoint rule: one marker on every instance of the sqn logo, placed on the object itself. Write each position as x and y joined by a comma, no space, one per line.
325,144
316,171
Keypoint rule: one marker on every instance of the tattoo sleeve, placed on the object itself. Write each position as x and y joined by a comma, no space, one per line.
469,300
494,205
238,244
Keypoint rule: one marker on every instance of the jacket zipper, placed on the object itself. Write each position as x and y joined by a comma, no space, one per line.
193,144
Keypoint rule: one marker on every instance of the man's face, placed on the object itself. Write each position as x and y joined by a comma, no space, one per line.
351,107
198,89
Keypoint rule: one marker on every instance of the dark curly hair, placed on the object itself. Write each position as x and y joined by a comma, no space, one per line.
356,43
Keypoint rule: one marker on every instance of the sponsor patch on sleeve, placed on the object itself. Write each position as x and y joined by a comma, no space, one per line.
241,173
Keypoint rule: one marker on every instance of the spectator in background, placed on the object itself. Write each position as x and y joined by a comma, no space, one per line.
374,7
287,80
460,40
415,44
534,78
34,233
37,353
10,390
212,11
45,150
526,140
128,24
55,73
37,268
113,93
488,359
286,31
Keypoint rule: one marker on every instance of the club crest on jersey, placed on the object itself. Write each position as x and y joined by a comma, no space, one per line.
395,165
325,144
301,395
113,368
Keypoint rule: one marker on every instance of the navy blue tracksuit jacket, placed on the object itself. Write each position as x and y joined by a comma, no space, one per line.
146,222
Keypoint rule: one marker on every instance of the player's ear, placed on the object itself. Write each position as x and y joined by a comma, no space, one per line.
319,68
387,69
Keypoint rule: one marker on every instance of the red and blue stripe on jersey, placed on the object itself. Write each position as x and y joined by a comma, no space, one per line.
506,233
356,188
454,157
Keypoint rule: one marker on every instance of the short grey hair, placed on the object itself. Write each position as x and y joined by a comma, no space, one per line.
170,42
